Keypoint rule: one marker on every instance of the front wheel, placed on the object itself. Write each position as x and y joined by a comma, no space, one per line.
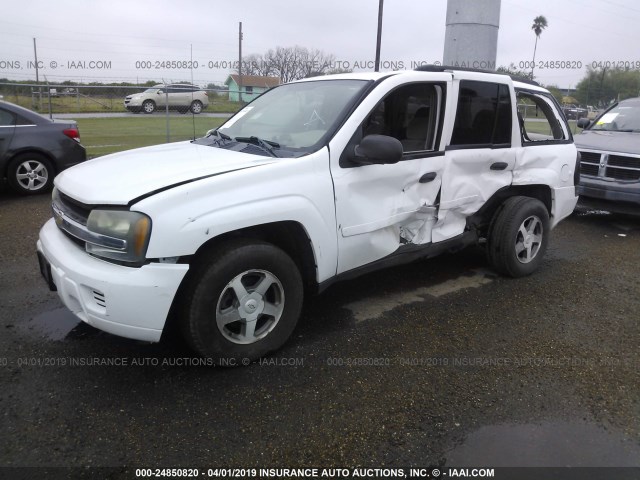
196,107
518,236
241,302
148,106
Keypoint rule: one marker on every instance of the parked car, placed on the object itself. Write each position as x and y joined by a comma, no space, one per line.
574,112
33,149
592,112
313,182
610,158
179,96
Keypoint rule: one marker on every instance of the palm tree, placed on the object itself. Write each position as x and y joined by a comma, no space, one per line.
539,24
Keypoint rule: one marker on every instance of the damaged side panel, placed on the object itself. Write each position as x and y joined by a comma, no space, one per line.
381,207
470,178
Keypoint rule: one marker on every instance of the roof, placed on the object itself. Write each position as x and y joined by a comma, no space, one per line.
254,81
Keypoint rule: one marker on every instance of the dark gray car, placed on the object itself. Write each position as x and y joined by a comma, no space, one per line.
33,149
610,159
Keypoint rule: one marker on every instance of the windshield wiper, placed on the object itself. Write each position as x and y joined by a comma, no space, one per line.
222,137
267,145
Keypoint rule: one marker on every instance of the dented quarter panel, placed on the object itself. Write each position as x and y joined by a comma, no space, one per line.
551,165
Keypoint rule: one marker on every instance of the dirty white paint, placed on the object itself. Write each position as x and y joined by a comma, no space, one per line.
374,307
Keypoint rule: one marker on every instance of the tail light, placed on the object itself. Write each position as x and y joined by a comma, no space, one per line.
72,133
206,94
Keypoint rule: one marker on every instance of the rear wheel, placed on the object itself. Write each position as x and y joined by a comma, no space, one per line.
30,174
242,302
518,236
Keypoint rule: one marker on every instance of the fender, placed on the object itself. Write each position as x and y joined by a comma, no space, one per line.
189,215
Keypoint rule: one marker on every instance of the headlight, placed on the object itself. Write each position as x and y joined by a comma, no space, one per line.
119,235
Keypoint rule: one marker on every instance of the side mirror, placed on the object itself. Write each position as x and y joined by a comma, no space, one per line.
378,149
584,123
159,92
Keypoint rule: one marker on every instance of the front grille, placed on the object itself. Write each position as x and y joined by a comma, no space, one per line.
589,169
75,210
620,161
589,163
623,173
615,167
590,157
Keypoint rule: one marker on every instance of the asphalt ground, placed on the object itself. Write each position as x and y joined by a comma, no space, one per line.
439,363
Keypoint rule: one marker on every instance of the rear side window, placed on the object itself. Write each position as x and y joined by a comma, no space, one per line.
483,116
540,121
7,119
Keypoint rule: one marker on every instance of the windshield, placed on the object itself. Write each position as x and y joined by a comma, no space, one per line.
624,117
296,115
151,90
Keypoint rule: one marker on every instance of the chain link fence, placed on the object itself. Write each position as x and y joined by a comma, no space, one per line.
116,118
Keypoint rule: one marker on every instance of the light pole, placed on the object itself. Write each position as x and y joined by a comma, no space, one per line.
380,8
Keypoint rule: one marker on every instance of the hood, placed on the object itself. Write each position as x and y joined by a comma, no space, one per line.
618,142
121,177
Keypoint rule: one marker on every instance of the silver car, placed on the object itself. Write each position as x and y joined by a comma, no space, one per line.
179,96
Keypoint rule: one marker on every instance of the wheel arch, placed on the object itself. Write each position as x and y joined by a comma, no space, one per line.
29,149
481,220
290,236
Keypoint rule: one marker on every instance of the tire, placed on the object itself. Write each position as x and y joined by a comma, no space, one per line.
241,302
518,236
30,174
148,106
196,107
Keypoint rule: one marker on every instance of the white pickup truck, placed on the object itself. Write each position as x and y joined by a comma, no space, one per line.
313,182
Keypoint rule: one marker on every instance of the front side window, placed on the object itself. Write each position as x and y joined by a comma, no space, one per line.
483,115
539,119
410,114
296,115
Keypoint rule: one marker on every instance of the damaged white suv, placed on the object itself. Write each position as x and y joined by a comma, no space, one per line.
313,182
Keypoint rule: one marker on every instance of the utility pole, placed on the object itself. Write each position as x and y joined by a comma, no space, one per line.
35,54
240,62
380,8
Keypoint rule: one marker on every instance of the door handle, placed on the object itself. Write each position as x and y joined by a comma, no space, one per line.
499,165
428,177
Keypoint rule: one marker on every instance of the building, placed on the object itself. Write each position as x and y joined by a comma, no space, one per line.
252,86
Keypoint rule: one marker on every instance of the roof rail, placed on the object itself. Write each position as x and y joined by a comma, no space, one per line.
449,68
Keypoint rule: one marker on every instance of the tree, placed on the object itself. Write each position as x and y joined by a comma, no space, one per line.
539,24
601,86
513,70
288,63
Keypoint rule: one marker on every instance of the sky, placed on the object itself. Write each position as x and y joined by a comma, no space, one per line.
116,40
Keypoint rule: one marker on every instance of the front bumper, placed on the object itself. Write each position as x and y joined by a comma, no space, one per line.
610,190
125,301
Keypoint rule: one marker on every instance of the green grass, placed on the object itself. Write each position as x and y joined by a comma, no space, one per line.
101,136
108,103
543,127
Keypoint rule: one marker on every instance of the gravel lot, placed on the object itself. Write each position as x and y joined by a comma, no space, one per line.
437,363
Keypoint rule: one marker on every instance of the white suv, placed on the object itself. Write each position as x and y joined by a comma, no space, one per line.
313,182
179,96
